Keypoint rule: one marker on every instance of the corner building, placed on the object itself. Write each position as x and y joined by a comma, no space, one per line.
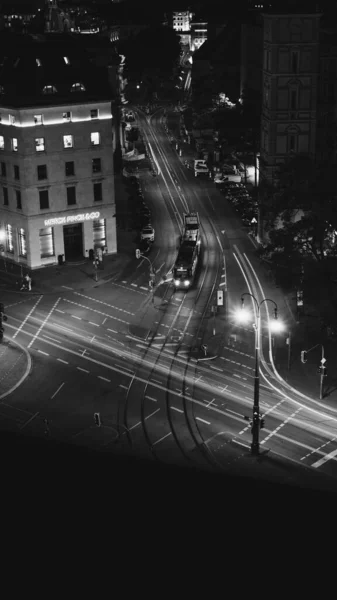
56,154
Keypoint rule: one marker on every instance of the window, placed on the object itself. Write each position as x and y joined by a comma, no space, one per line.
293,99
70,168
44,199
9,239
14,144
68,141
39,144
46,242
42,172
66,60
12,119
2,142
98,197
96,165
5,195
38,119
18,199
71,195
67,116
3,170
292,142
16,172
99,233
94,113
22,242
294,62
95,138
77,87
49,89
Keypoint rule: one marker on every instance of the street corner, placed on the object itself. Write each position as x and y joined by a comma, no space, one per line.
16,365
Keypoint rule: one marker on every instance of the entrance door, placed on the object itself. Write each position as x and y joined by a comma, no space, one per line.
73,241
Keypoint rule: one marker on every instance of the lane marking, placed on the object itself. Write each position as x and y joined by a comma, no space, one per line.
150,398
63,361
161,439
41,352
91,323
125,387
57,391
216,368
75,317
112,330
27,317
142,287
324,459
104,304
60,311
104,320
43,323
233,412
67,288
177,409
202,420
50,338
81,369
139,423
29,420
277,429
104,378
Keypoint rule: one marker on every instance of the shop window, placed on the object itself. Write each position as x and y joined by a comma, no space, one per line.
95,138
3,170
42,172
39,144
70,168
5,195
68,141
22,242
9,239
2,142
94,113
98,196
99,231
71,195
67,116
18,199
14,144
38,119
46,242
96,165
44,199
16,172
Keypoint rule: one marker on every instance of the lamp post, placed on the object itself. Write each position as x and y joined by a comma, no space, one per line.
255,447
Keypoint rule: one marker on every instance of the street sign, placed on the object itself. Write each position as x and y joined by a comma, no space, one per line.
323,360
219,297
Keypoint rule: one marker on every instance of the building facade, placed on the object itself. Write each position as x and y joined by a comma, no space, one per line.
289,88
56,165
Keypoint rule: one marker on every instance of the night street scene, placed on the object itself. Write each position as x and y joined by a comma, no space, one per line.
168,251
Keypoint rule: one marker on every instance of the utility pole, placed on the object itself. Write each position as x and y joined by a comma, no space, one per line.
289,350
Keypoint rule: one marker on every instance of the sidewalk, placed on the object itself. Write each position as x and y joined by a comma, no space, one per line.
15,365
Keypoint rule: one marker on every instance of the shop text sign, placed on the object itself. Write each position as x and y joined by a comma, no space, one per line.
72,219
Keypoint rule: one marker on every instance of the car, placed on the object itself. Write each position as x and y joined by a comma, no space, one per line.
147,233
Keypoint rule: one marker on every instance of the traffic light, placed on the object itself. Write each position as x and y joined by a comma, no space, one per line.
322,371
261,423
97,417
304,356
137,253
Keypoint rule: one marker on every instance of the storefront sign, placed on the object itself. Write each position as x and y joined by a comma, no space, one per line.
72,219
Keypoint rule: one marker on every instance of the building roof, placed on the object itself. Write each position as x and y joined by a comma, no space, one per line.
29,63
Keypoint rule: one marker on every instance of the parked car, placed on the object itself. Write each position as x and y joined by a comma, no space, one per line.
147,233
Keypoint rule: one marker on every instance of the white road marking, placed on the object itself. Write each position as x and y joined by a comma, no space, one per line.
112,330
134,284
148,416
67,288
324,459
241,444
43,323
125,387
60,311
104,378
57,391
276,430
233,412
50,338
104,320
235,375
91,323
41,352
84,370
63,361
202,420
176,409
215,368
150,398
27,317
29,420
161,439
75,317
142,287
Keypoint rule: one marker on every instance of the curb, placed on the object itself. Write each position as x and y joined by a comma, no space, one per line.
28,369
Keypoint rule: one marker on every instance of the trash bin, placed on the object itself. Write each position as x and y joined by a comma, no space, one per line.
60,259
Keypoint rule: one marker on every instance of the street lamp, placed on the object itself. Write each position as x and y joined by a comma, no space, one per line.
243,315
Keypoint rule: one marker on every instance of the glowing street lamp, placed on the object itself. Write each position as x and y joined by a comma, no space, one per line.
243,316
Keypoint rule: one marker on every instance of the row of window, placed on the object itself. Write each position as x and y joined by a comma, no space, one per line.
51,89
96,167
46,237
66,116
44,196
40,145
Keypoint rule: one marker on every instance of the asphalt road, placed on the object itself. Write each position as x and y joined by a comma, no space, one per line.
154,396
